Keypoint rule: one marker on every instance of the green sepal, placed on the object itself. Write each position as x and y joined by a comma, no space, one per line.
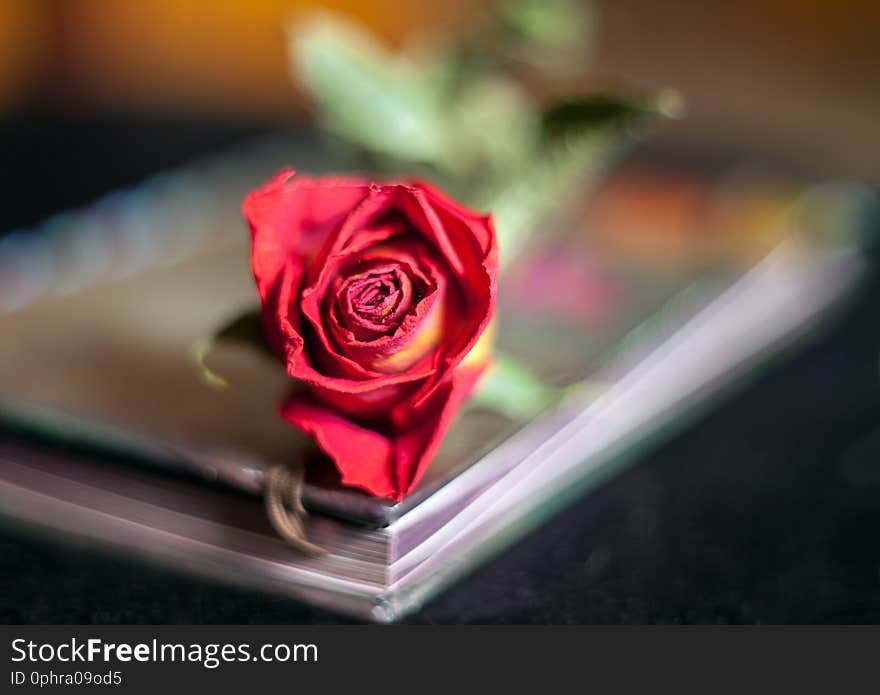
576,116
246,329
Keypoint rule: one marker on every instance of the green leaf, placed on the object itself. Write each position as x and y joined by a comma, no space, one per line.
246,329
369,97
549,22
578,137
494,127
574,116
553,36
512,389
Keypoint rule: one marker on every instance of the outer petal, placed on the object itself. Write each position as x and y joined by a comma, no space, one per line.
415,448
468,242
361,455
290,218
385,464
480,225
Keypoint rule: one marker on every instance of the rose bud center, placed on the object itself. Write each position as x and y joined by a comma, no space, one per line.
387,318
372,303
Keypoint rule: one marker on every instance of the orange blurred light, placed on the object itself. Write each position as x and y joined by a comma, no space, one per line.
226,56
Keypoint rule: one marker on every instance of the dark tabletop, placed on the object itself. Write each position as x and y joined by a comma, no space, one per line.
767,509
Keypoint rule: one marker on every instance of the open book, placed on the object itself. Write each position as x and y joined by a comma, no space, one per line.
670,286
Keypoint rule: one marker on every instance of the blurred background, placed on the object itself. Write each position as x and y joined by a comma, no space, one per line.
787,81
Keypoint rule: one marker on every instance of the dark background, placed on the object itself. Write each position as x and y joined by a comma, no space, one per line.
766,510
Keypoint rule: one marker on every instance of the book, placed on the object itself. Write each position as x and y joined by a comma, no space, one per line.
669,286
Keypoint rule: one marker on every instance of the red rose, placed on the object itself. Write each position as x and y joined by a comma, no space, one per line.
375,295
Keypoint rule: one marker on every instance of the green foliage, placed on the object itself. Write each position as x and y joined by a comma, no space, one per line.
461,114
577,115
551,23
547,35
511,388
366,95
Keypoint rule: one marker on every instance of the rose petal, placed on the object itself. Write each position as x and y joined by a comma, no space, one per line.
470,240
346,443
415,447
363,322
414,337
384,464
290,218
